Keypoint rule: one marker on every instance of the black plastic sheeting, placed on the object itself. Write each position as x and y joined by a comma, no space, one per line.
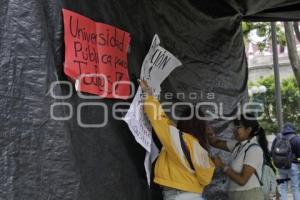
46,159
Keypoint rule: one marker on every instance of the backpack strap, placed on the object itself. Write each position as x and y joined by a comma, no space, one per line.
235,146
260,182
251,145
186,151
290,138
262,169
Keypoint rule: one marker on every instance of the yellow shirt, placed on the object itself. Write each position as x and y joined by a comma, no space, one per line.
172,168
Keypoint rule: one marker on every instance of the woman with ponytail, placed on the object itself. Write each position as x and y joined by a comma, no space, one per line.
249,154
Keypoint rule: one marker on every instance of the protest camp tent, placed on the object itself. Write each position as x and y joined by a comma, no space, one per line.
43,158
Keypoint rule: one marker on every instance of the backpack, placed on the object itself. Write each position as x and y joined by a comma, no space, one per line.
268,178
281,152
269,182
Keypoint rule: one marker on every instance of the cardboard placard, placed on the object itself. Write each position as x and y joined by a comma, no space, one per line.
96,56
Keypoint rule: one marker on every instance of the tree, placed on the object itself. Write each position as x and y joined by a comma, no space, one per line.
263,31
297,31
284,37
290,101
292,50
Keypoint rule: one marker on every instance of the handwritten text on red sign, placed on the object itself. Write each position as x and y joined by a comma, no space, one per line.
96,56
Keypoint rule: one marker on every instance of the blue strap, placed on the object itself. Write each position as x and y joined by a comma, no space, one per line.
185,150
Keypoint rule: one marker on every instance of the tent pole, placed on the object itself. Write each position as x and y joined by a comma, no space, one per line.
277,77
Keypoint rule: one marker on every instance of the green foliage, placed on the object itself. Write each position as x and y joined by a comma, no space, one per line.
290,102
263,30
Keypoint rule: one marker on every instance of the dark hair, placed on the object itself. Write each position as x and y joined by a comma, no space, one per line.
194,125
249,120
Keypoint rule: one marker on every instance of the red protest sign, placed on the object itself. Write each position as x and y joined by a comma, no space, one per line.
96,56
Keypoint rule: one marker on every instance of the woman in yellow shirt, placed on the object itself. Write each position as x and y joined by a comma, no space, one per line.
182,175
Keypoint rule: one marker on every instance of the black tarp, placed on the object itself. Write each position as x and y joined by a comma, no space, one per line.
46,159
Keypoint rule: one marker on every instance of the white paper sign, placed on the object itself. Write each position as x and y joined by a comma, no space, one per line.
149,159
138,123
157,65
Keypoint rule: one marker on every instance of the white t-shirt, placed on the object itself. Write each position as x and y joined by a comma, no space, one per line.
253,158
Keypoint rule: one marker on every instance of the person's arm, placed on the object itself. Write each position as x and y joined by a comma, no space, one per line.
220,144
161,124
156,115
240,178
216,142
253,160
296,147
158,120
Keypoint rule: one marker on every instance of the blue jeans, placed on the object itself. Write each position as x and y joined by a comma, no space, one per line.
173,194
294,175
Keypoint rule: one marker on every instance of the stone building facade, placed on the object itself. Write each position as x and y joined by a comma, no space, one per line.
260,64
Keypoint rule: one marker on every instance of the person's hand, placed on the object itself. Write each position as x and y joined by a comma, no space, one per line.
218,162
212,139
145,87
